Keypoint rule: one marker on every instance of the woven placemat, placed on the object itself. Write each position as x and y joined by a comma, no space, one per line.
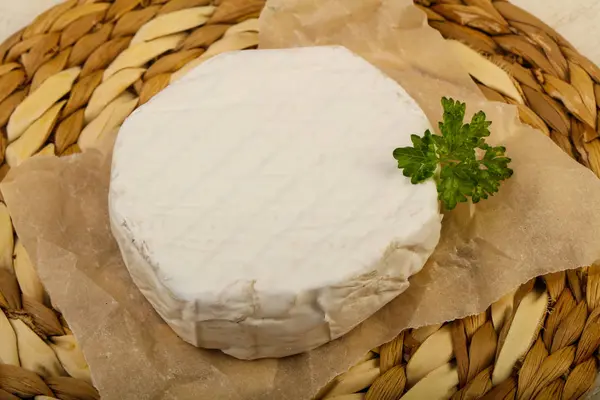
82,67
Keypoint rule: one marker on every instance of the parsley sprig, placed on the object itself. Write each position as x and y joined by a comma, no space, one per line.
451,158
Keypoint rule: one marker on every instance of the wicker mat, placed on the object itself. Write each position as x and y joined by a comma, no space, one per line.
60,65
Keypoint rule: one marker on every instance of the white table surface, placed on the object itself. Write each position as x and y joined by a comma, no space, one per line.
15,14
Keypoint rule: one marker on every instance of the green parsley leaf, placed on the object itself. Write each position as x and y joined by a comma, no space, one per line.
451,158
418,162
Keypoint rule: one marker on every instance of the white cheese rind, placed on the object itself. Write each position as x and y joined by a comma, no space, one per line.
257,204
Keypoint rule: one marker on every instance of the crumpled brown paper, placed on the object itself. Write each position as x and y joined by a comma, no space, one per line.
546,218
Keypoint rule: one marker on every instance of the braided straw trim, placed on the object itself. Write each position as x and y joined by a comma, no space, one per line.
82,67
16,382
540,342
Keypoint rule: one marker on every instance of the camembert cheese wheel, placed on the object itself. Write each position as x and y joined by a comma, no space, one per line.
257,204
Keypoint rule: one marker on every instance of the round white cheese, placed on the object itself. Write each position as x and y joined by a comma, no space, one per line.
257,204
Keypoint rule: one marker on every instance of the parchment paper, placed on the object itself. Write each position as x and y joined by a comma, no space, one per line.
545,219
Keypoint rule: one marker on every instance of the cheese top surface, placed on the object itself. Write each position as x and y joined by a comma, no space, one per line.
263,177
